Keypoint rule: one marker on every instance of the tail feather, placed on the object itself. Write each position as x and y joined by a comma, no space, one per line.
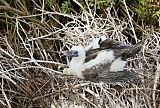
133,50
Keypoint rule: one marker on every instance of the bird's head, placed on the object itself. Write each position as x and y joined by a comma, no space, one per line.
77,52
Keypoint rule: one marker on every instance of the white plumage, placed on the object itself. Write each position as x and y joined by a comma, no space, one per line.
118,65
75,66
105,56
95,43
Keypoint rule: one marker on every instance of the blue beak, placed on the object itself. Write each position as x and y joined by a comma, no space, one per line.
72,53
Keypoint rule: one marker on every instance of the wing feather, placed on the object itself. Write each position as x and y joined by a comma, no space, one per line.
91,54
101,73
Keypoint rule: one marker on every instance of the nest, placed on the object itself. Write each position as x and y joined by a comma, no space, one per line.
32,63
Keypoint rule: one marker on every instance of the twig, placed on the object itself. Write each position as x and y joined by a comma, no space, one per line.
157,75
130,20
38,67
4,94
11,9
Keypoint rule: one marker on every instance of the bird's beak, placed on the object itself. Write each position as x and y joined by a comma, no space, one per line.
72,53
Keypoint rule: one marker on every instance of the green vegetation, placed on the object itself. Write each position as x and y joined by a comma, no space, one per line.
66,7
148,11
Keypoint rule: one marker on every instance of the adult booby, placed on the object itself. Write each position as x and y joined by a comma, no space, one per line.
98,69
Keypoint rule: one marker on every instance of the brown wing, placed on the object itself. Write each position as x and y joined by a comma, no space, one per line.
104,45
118,47
109,44
126,51
102,73
120,76
119,52
91,54
93,73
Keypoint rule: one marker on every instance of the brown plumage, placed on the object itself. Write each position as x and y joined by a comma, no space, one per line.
126,51
109,44
102,74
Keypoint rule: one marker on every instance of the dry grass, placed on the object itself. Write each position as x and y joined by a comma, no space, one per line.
32,61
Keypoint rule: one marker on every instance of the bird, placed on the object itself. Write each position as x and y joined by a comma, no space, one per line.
102,67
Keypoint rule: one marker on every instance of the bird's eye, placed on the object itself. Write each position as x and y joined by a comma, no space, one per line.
76,52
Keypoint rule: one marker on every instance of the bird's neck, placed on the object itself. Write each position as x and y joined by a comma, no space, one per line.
76,62
75,67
